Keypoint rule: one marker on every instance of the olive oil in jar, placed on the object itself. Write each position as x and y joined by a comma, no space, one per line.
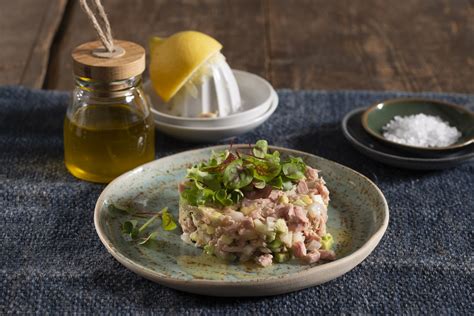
102,142
108,128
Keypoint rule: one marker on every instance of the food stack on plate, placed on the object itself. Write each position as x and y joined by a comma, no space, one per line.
196,96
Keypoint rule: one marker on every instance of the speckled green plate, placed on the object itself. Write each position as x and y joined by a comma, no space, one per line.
358,218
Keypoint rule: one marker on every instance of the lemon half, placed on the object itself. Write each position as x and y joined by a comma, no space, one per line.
173,60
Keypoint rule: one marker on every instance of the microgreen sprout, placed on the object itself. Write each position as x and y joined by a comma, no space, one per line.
230,175
131,228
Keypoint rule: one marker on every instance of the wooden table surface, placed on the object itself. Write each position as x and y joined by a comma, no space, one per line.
412,45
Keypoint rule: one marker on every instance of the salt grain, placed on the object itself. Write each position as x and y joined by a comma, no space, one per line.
421,130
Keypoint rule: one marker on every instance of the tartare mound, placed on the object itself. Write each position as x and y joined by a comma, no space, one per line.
266,223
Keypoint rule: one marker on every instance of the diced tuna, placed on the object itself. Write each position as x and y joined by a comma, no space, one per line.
269,211
299,249
264,260
187,225
247,223
275,195
312,256
313,245
300,215
284,211
302,187
320,186
311,235
311,173
327,255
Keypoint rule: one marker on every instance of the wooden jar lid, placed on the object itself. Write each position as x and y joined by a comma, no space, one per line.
92,61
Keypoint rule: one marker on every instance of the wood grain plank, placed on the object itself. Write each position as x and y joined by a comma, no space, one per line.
27,28
238,25
412,45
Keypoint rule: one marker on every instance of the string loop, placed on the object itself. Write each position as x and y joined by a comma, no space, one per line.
100,22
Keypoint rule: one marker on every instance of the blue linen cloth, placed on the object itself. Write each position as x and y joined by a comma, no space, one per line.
51,260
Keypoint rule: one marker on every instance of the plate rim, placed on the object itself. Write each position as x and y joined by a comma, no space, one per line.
352,259
356,142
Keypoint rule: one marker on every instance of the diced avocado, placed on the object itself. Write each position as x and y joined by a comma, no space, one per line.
280,226
271,236
209,249
327,242
281,257
275,244
283,199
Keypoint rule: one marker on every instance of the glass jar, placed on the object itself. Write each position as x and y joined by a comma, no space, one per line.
108,128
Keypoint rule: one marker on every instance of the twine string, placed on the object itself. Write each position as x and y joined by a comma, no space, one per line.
100,22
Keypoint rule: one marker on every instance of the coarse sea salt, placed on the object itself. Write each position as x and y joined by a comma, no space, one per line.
421,130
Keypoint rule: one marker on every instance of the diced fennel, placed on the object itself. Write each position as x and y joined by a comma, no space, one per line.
280,226
260,227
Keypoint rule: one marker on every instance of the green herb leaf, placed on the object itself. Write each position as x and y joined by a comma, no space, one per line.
277,183
265,170
236,175
287,185
167,220
236,196
259,184
204,179
275,156
260,149
218,157
130,228
294,168
195,196
215,182
223,198
149,238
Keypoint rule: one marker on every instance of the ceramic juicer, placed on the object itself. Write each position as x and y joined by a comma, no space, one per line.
200,98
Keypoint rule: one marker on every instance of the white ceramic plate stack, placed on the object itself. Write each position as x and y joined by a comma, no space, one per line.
259,101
